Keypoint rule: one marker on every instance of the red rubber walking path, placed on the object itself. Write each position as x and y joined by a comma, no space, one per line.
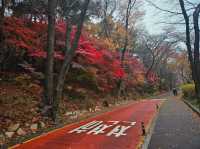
117,129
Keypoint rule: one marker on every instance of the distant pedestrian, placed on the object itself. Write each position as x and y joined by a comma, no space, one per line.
174,90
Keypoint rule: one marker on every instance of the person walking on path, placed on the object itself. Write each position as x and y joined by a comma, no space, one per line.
175,91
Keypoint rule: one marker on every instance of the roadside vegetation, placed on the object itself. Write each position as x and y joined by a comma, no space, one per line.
188,91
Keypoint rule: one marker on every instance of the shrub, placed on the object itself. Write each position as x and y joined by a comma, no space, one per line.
149,88
26,41
188,90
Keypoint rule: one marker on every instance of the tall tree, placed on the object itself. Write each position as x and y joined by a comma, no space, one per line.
69,50
130,5
196,50
108,8
154,44
193,54
2,12
74,13
49,75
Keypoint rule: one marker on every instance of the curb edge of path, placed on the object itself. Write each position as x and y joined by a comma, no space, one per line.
192,107
147,138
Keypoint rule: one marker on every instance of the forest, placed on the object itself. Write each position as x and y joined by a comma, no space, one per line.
60,57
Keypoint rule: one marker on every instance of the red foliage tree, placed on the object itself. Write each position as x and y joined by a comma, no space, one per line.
31,38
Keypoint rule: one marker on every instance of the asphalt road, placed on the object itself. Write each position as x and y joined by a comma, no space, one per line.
118,129
177,127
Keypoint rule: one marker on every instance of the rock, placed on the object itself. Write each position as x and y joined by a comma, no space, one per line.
68,113
14,127
73,117
72,113
81,90
37,109
39,75
69,87
91,110
32,110
9,134
21,132
77,112
34,127
27,124
42,124
97,108
35,119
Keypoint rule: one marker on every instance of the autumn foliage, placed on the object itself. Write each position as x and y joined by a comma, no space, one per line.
28,40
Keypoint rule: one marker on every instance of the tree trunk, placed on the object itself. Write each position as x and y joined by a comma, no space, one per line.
2,11
128,11
187,25
49,83
151,67
63,72
196,50
194,60
69,54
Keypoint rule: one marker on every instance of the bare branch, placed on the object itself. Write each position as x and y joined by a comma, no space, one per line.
165,10
188,2
171,23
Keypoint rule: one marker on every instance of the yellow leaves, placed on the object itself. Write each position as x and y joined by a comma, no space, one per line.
93,29
119,31
117,34
140,79
92,70
109,44
188,90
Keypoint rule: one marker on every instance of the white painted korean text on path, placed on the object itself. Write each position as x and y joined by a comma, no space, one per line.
109,128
